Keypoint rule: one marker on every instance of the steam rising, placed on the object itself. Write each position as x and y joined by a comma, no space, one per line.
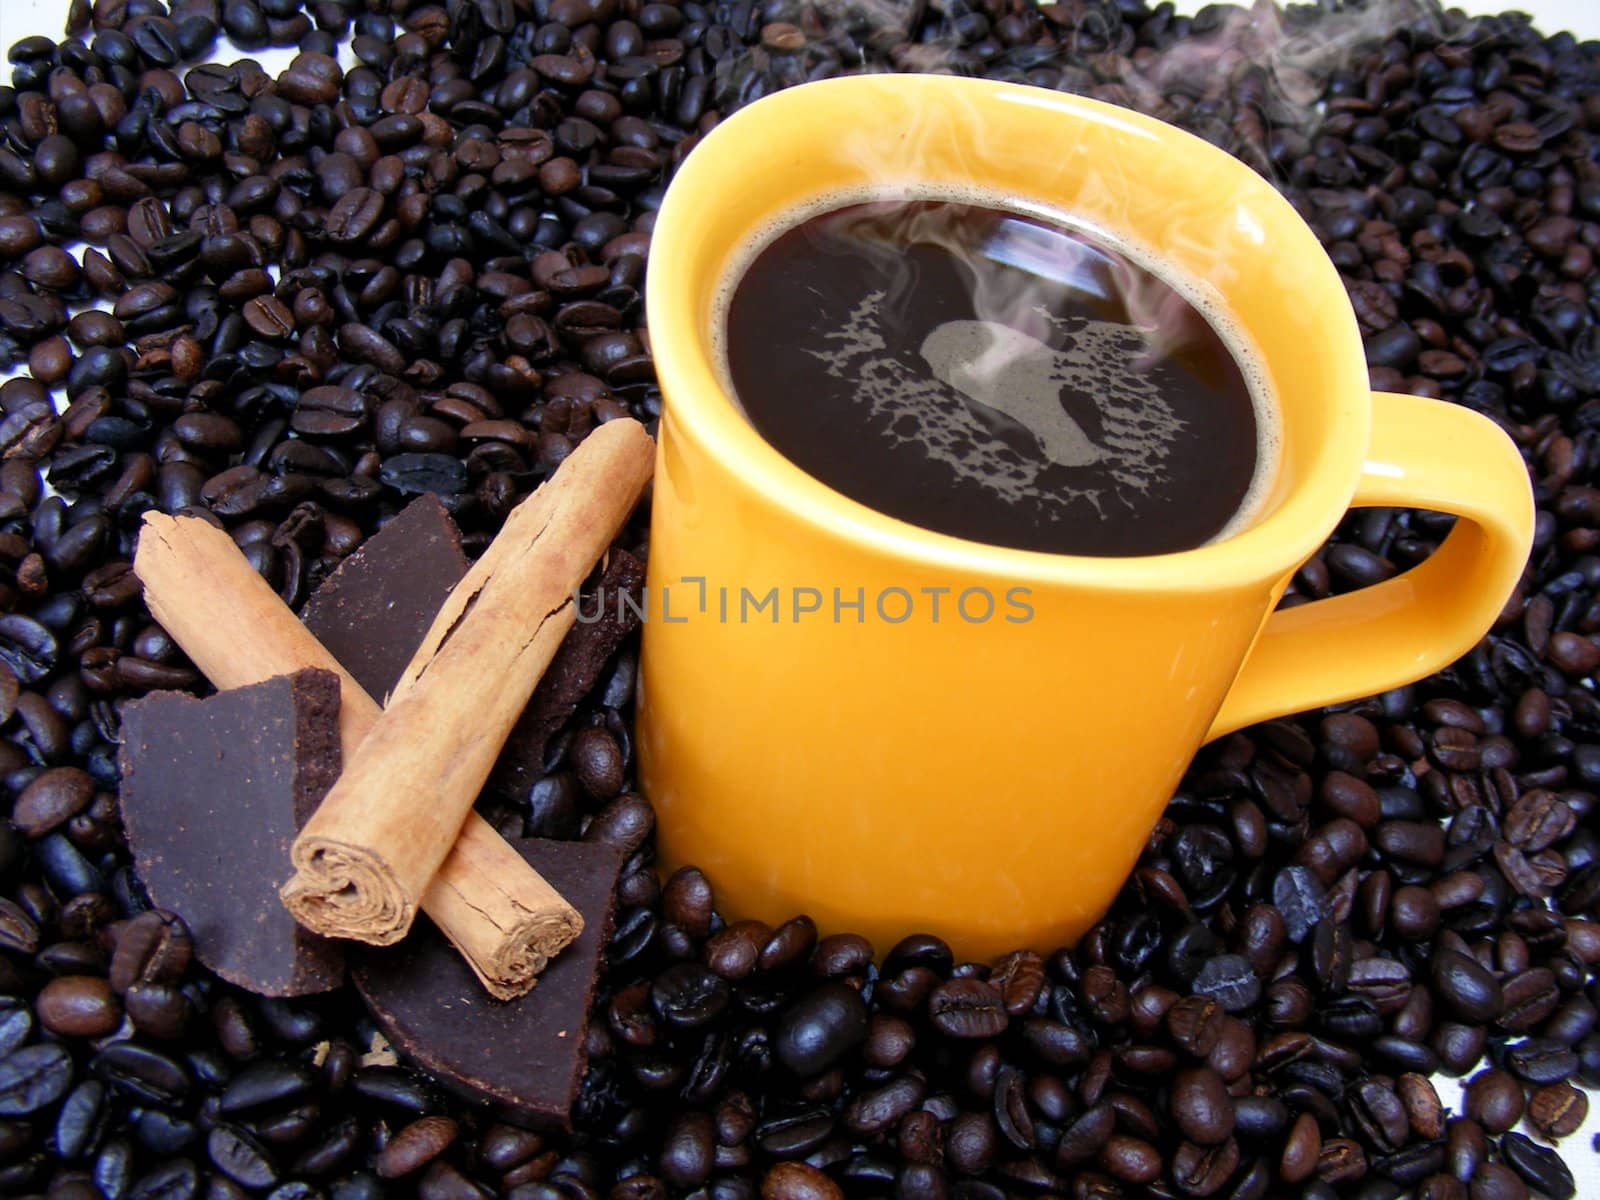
1083,392
1296,52
1015,366
1234,76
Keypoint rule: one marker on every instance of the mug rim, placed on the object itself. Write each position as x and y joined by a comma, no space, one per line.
697,407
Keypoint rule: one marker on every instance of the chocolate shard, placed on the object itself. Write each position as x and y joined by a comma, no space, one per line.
524,1057
213,792
572,674
372,612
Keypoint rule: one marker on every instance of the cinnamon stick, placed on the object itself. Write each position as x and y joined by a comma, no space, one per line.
493,907
364,860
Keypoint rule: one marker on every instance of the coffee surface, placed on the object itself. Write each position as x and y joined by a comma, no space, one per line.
995,376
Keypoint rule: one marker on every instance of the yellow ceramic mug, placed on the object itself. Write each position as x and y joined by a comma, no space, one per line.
993,781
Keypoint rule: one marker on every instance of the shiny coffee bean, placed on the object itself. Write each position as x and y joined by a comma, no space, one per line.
1201,1106
823,1026
1557,1110
1495,1100
967,1008
82,1006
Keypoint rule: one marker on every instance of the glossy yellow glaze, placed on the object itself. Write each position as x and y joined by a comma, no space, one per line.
993,782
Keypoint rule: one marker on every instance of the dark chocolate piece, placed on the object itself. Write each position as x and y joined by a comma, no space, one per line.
573,672
372,612
213,792
525,1057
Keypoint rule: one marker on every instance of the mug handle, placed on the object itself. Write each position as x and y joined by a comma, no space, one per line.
1423,454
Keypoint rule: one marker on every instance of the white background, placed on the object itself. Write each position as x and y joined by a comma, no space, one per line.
23,18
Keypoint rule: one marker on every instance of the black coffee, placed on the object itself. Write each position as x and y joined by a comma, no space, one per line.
994,376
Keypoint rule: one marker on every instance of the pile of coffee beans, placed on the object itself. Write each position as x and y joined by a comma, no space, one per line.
292,303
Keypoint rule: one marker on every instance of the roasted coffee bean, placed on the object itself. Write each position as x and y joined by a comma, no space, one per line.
1466,1148
1539,1060
33,1078
688,995
1557,1110
1342,1160
794,1135
1201,1106
1010,1108
1301,1150
597,761
1495,1181
1262,937
1083,1140
1495,1100
626,822
918,950
552,808
1414,913
1235,1051
158,1010
1422,1106
824,1025
1541,1168
18,930
268,317
733,952
1195,1023
907,990
1131,1160
80,1121
797,1181
837,956
16,1024
27,647
143,1073
267,1083
876,1110
78,1006
51,800
1299,898
1530,996
1459,1046
1020,978
154,947
1056,1043
686,901
1104,995
1330,956
967,1008
1203,1171
1464,985
413,1147
1259,1116
416,474
241,1157
1379,1115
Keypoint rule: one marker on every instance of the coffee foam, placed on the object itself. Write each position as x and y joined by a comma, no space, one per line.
1014,373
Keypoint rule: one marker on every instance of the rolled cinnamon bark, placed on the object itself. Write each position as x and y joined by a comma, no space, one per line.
365,859
495,909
